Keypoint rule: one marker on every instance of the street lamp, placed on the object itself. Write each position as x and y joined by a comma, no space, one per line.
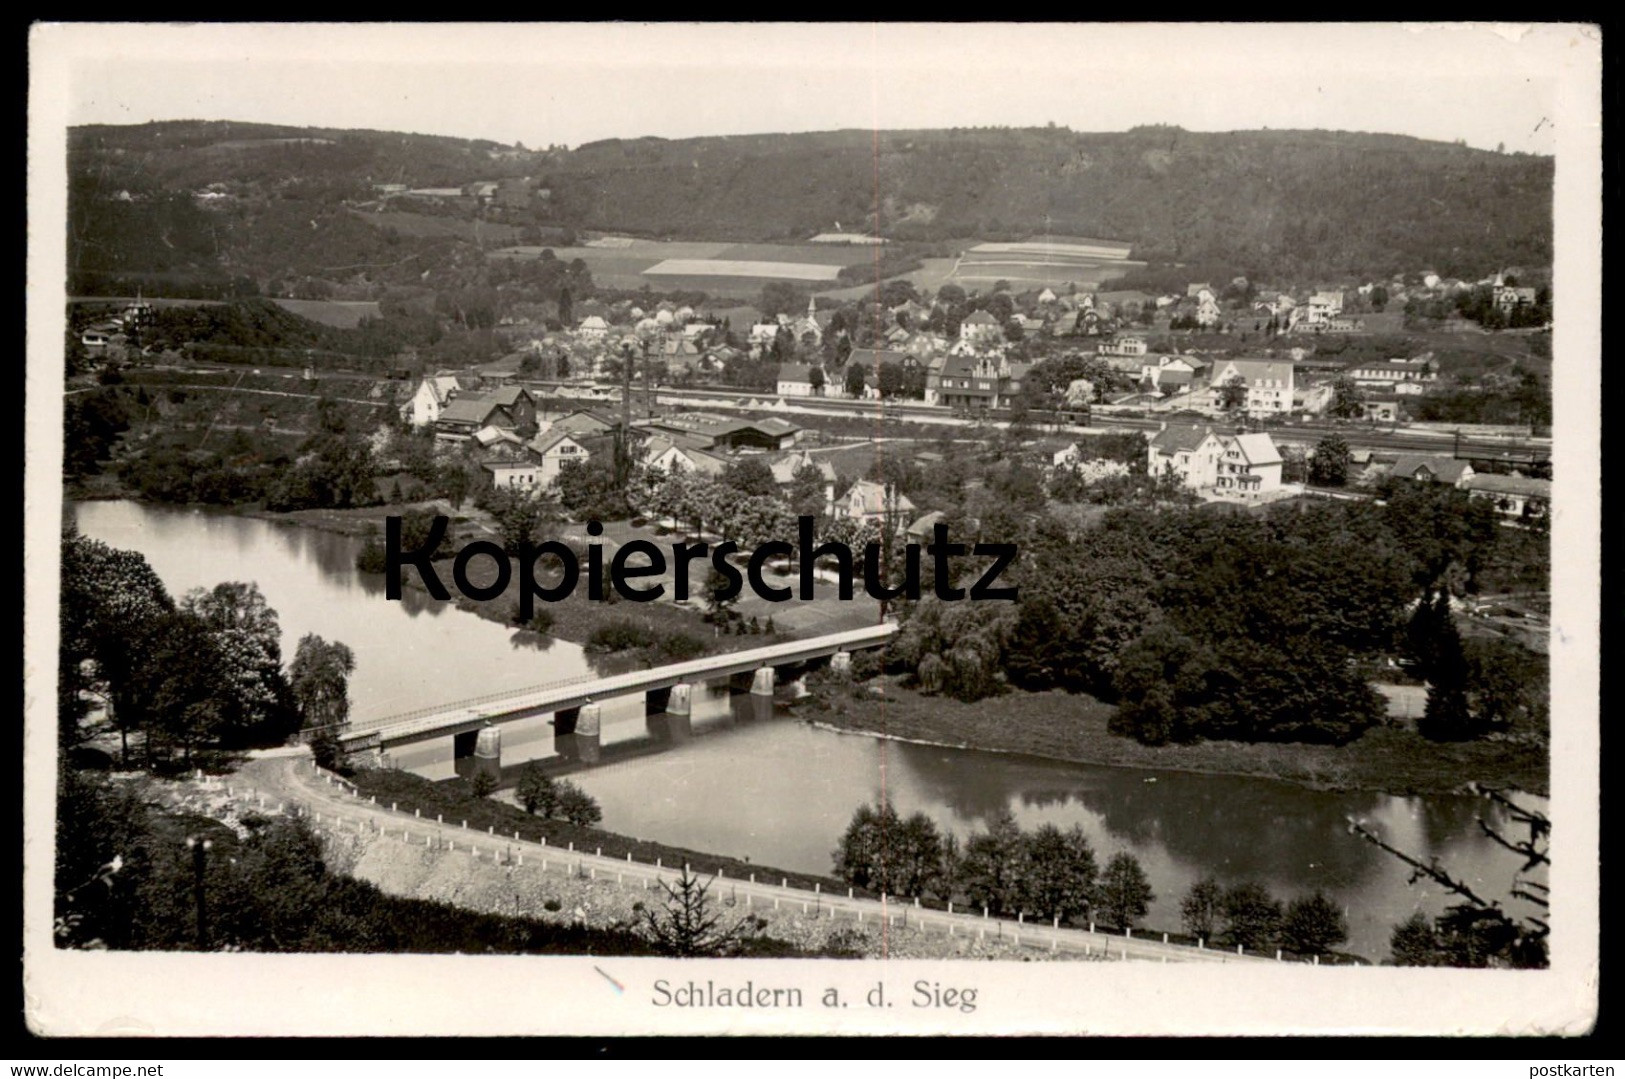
200,852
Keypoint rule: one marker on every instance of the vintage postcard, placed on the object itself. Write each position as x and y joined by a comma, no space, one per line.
828,529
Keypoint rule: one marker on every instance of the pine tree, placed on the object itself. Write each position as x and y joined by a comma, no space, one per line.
686,926
1446,717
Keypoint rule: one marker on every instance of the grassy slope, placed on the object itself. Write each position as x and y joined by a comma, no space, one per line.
1071,727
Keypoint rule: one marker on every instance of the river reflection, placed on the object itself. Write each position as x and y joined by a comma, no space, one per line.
410,652
740,779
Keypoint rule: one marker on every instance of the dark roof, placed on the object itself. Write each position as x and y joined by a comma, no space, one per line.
1444,469
1511,485
1180,437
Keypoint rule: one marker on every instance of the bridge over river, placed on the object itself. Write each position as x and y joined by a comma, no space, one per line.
471,728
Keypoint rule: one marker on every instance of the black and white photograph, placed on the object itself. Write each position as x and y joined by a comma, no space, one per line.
767,528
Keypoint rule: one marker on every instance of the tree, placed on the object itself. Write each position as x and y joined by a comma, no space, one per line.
1233,393
1446,717
1252,917
1202,907
1313,925
1413,943
807,494
483,784
519,516
536,790
250,643
1061,872
855,381
751,476
994,865
685,926
319,678
1348,402
1124,894
1329,464
716,591
185,684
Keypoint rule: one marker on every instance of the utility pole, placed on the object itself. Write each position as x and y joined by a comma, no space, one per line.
200,851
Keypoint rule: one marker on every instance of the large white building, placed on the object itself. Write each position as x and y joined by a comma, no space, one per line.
1268,383
1206,460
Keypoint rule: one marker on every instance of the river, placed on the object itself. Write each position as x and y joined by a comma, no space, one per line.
751,783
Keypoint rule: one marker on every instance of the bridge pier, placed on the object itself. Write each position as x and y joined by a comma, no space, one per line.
680,701
590,719
841,662
488,753
798,689
761,683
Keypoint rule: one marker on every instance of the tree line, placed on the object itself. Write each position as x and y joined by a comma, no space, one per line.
1052,874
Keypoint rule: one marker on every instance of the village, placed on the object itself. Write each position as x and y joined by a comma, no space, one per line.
1213,417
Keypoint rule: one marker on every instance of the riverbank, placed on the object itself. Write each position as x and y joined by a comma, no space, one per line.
1073,728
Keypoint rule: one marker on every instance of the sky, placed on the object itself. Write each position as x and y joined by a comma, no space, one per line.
1489,85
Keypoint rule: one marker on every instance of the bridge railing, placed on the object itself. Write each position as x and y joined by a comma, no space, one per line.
470,702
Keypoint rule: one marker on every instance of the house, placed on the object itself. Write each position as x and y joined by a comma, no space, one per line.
1432,470
785,469
1515,496
517,472
1189,452
1250,466
593,328
1313,399
673,456
584,423
460,418
1380,408
1046,297
552,450
1509,297
971,383
923,530
769,434
1268,382
1397,376
796,380
1323,307
867,501
509,408
981,330
432,395
488,437
1128,345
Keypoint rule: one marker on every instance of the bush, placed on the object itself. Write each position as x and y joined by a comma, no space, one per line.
483,784
577,806
678,646
621,634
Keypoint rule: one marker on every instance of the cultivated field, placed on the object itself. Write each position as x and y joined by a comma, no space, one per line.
726,268
343,314
433,227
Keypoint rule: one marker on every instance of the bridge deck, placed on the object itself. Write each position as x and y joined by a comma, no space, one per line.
465,715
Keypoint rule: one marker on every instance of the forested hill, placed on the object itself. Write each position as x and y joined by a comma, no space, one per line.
1286,204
